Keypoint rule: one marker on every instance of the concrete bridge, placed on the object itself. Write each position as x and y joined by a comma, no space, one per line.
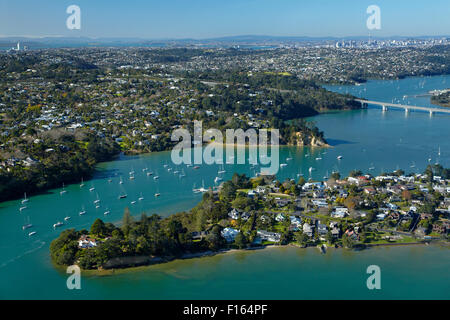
407,108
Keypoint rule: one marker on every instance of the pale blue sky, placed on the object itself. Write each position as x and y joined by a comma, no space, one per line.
205,19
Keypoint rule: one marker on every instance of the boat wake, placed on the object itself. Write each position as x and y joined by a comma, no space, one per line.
41,244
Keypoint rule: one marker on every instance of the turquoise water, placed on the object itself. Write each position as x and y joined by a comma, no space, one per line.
365,138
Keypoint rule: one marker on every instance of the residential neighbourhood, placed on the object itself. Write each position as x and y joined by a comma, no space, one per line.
367,209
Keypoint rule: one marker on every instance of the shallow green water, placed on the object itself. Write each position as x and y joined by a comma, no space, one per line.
366,139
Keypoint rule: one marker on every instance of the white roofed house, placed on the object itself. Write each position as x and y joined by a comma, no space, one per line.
322,230
322,203
234,214
269,236
260,189
308,229
335,232
28,162
295,221
340,212
85,242
229,234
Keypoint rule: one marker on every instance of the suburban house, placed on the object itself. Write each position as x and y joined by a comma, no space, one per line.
340,212
85,242
234,214
199,235
308,229
269,236
229,234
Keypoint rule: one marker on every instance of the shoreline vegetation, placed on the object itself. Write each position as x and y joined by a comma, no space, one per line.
246,214
145,262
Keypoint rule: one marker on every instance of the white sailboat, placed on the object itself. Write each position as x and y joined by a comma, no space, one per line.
63,190
82,183
97,201
439,156
222,170
290,157
27,224
25,200
194,189
203,189
58,224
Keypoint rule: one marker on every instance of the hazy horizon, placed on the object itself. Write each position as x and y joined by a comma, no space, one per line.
201,19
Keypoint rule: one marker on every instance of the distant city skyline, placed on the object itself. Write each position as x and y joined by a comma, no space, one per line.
201,19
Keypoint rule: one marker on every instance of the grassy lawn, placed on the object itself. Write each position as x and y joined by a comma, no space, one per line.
381,235
280,195
265,243
279,228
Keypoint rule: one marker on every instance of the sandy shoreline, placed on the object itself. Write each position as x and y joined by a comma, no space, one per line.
199,255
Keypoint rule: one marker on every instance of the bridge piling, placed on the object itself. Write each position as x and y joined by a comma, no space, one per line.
407,108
